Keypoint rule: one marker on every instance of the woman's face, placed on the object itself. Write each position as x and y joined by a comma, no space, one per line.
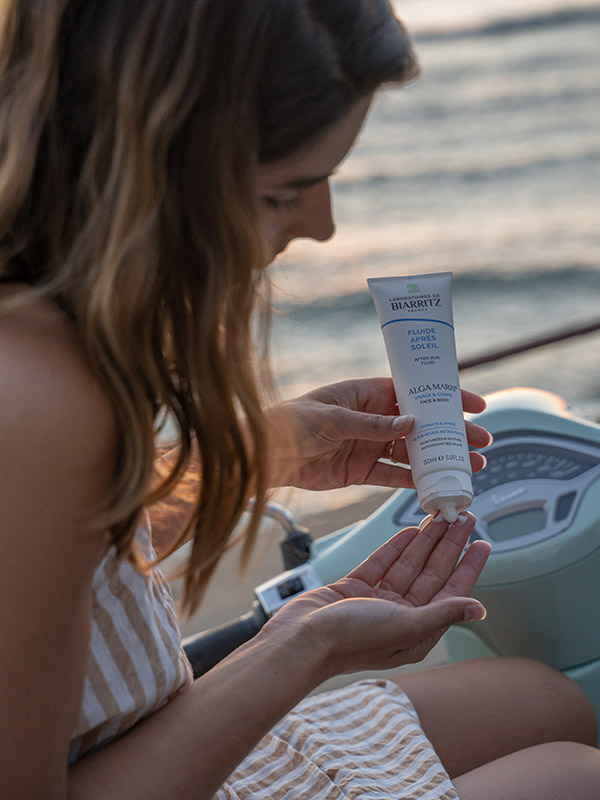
294,194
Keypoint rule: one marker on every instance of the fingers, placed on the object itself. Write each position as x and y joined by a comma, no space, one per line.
464,577
373,568
395,476
477,436
376,427
441,563
472,403
399,476
478,461
425,565
357,418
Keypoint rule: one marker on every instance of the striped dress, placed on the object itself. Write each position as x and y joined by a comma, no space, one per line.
361,741
136,663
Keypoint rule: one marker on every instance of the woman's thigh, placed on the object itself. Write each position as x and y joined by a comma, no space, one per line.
477,711
552,771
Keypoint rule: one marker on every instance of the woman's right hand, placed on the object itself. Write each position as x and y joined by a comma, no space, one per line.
395,606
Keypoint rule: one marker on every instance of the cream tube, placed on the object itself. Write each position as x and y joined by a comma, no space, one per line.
415,312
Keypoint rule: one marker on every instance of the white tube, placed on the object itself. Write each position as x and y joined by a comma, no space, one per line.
415,312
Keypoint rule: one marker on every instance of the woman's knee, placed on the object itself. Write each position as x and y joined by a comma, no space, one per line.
540,700
545,691
568,701
479,710
554,771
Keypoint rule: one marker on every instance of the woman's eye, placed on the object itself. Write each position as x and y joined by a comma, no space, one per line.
278,204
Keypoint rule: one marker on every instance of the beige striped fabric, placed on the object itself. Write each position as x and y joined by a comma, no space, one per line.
136,663
363,741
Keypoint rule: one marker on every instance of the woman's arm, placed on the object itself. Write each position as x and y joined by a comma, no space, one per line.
189,747
390,611
57,442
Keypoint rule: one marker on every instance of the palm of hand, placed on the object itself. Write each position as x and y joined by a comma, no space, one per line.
396,605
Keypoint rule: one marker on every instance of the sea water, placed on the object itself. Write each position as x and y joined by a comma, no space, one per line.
488,166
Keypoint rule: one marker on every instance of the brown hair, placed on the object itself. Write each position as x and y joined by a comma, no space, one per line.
130,131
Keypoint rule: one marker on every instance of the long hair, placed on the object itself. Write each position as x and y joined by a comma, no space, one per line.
130,132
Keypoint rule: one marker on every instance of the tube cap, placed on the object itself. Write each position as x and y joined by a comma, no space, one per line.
444,489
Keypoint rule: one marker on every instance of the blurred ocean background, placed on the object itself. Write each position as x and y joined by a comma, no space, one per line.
488,166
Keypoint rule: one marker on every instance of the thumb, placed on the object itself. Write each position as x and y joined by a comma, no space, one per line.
441,614
374,427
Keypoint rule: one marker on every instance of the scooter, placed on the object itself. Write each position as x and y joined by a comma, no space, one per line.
537,502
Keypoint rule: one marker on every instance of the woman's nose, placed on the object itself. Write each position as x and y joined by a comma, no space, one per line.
315,218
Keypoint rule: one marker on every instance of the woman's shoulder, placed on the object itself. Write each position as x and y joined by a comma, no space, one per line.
48,390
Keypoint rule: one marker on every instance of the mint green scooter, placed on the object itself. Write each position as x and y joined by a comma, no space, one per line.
537,502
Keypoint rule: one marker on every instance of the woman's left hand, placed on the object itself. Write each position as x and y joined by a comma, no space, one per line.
395,606
342,431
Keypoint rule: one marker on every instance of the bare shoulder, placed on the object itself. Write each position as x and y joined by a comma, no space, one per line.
57,429
57,443
49,395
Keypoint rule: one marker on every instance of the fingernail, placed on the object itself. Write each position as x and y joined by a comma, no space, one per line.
402,422
425,521
462,518
484,460
491,440
473,612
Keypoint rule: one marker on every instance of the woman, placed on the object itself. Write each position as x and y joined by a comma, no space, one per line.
155,156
